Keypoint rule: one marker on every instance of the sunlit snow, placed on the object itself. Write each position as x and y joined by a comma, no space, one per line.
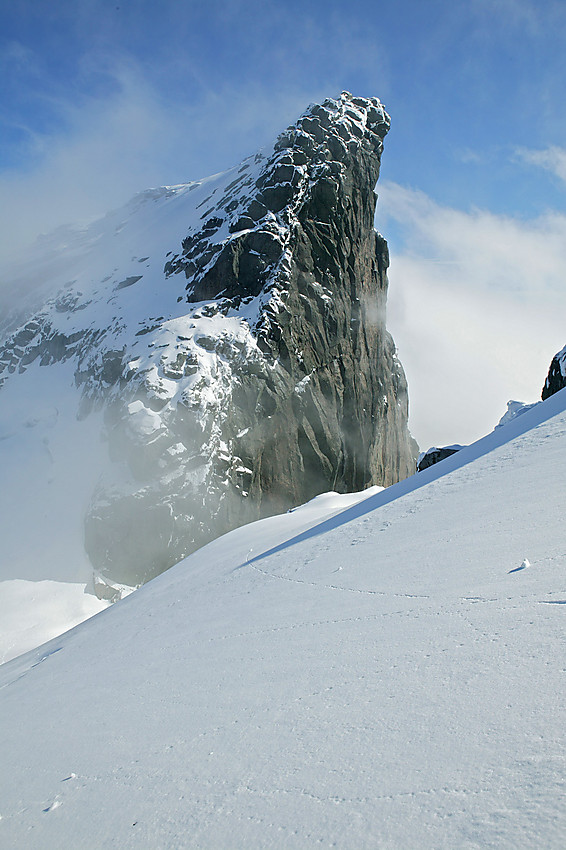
388,676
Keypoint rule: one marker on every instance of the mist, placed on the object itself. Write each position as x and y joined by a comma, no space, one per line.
475,306
117,144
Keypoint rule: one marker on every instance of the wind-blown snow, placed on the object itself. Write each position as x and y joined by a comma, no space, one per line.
390,677
514,408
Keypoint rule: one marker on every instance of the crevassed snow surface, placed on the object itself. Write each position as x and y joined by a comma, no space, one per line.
390,677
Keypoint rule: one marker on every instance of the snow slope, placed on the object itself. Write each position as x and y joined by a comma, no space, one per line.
390,677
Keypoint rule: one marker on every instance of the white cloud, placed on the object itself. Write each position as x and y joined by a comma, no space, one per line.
552,159
476,308
116,144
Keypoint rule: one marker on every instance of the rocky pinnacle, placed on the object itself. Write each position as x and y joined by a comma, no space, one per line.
261,372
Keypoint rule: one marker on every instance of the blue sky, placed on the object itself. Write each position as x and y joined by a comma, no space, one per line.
101,99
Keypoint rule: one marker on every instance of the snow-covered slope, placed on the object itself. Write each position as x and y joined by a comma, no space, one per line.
390,677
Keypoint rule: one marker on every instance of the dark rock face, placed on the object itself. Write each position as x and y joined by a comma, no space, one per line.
435,455
263,373
556,378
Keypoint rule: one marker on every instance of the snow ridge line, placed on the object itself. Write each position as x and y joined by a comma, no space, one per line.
528,421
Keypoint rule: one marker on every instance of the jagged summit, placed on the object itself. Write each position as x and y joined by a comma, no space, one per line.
242,239
230,334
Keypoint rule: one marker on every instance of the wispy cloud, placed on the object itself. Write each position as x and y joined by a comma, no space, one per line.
108,146
530,18
476,307
14,54
552,159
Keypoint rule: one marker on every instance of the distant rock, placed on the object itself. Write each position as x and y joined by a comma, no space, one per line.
435,455
556,378
555,381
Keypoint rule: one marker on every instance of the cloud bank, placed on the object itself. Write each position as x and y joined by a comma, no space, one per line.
476,308
108,146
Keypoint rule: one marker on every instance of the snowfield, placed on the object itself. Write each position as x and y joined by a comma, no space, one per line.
387,675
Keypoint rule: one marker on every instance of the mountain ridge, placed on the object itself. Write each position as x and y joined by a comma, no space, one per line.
243,371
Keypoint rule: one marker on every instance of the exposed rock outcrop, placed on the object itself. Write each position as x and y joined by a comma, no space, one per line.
556,378
249,368
435,455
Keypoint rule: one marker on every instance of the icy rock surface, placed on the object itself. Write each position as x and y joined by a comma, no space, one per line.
231,333
435,454
556,378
